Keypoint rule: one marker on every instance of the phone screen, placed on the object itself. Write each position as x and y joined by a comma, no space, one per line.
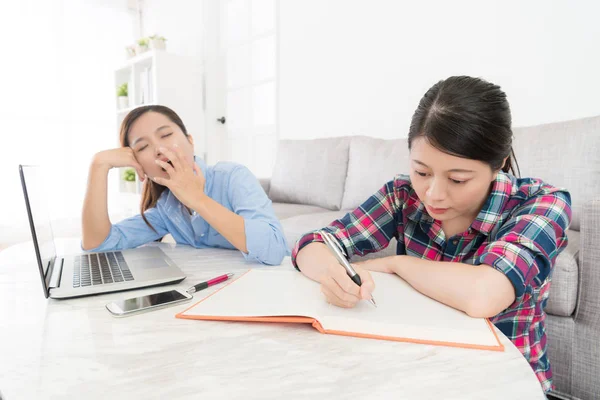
150,300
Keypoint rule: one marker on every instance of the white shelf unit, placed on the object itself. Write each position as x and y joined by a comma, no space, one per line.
159,77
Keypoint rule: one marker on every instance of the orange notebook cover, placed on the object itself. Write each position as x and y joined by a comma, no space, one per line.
402,314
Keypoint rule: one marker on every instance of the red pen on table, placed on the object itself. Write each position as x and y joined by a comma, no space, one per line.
204,285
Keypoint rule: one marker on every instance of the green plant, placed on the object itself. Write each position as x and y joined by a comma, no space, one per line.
157,37
129,175
143,42
122,90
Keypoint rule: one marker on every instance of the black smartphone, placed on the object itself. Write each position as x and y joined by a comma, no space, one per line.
134,305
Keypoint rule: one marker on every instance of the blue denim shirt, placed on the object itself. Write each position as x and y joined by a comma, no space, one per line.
231,185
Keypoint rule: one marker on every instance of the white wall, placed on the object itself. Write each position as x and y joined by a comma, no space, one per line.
350,67
179,21
58,98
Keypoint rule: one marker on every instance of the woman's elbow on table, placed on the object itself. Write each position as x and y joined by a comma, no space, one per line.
493,293
266,243
277,250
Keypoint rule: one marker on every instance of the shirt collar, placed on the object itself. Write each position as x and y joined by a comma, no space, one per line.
208,174
502,188
488,217
200,162
415,209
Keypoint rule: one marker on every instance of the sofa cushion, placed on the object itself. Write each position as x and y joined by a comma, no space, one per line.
372,162
294,228
285,210
565,279
310,172
297,226
563,154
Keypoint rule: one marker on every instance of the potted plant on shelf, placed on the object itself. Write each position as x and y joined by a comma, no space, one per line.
129,180
122,96
142,45
130,51
158,42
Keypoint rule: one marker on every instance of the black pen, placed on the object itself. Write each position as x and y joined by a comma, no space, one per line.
334,247
204,285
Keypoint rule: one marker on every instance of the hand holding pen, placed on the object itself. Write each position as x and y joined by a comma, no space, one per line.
345,286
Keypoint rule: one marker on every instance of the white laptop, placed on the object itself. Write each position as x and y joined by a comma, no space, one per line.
88,273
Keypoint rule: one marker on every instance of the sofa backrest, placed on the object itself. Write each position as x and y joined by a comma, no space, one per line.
564,154
311,172
341,173
371,164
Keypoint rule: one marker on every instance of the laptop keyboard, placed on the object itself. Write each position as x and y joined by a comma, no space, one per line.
101,268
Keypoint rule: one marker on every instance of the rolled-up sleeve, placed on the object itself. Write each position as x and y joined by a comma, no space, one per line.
526,246
133,232
367,229
265,240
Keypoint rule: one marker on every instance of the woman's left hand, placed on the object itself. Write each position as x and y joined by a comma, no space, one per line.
186,180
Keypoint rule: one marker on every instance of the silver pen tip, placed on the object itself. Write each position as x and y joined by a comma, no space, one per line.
373,301
230,275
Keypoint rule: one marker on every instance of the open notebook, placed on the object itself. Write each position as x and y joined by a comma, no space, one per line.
402,313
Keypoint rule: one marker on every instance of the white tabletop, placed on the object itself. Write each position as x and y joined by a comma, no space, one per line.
76,349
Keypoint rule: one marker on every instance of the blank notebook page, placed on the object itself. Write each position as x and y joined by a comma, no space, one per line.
402,312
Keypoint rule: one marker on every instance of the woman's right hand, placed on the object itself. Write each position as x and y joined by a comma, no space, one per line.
340,290
119,157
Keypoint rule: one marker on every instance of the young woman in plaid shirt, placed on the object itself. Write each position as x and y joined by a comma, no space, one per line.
470,234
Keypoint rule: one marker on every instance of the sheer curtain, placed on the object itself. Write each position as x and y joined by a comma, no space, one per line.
57,106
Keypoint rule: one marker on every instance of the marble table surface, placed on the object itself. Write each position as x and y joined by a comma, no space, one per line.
57,349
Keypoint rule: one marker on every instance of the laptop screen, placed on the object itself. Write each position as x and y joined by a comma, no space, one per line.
36,199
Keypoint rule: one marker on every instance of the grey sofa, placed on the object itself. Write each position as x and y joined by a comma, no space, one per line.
317,181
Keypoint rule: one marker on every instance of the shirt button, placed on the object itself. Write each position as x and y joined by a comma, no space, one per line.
455,242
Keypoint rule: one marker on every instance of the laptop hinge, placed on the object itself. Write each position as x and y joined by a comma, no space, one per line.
56,273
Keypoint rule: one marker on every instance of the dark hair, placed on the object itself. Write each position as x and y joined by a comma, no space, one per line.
467,117
151,191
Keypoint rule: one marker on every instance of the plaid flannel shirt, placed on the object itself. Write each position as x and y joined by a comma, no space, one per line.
520,231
